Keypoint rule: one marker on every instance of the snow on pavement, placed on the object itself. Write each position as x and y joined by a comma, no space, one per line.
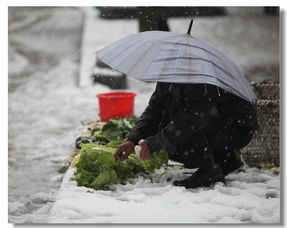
248,197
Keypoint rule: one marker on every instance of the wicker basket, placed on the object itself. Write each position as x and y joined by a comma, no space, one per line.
264,147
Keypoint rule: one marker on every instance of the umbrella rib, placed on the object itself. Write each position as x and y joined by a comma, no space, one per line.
205,80
234,89
174,45
248,91
151,48
177,59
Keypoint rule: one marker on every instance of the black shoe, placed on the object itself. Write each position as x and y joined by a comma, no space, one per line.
230,164
202,178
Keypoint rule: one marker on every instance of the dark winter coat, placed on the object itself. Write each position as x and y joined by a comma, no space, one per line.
177,111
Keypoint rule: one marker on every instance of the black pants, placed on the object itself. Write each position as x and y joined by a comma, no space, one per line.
214,144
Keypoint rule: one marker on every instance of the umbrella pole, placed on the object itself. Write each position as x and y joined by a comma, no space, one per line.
189,28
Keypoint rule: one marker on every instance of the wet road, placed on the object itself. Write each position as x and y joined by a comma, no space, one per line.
44,44
39,38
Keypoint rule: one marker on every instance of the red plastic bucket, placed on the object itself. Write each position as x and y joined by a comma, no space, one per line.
116,105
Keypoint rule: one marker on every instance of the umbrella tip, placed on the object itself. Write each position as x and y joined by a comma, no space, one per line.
189,28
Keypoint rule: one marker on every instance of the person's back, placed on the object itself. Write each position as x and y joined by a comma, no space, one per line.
221,102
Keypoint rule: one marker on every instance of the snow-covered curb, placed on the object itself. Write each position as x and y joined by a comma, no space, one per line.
249,197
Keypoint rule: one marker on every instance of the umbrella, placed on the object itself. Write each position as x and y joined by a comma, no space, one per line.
159,56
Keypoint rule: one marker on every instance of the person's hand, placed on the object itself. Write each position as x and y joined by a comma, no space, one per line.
145,152
124,150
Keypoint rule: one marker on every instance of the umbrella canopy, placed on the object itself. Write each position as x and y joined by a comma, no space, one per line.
158,56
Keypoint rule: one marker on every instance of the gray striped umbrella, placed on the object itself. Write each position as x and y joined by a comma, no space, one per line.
158,56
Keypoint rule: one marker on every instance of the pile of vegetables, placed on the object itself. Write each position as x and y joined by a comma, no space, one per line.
114,132
95,165
97,168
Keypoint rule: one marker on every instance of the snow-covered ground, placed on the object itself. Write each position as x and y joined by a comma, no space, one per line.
46,107
249,197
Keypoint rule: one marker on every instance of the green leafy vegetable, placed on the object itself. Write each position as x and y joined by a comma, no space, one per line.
115,143
271,167
113,133
97,168
267,167
116,129
105,178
